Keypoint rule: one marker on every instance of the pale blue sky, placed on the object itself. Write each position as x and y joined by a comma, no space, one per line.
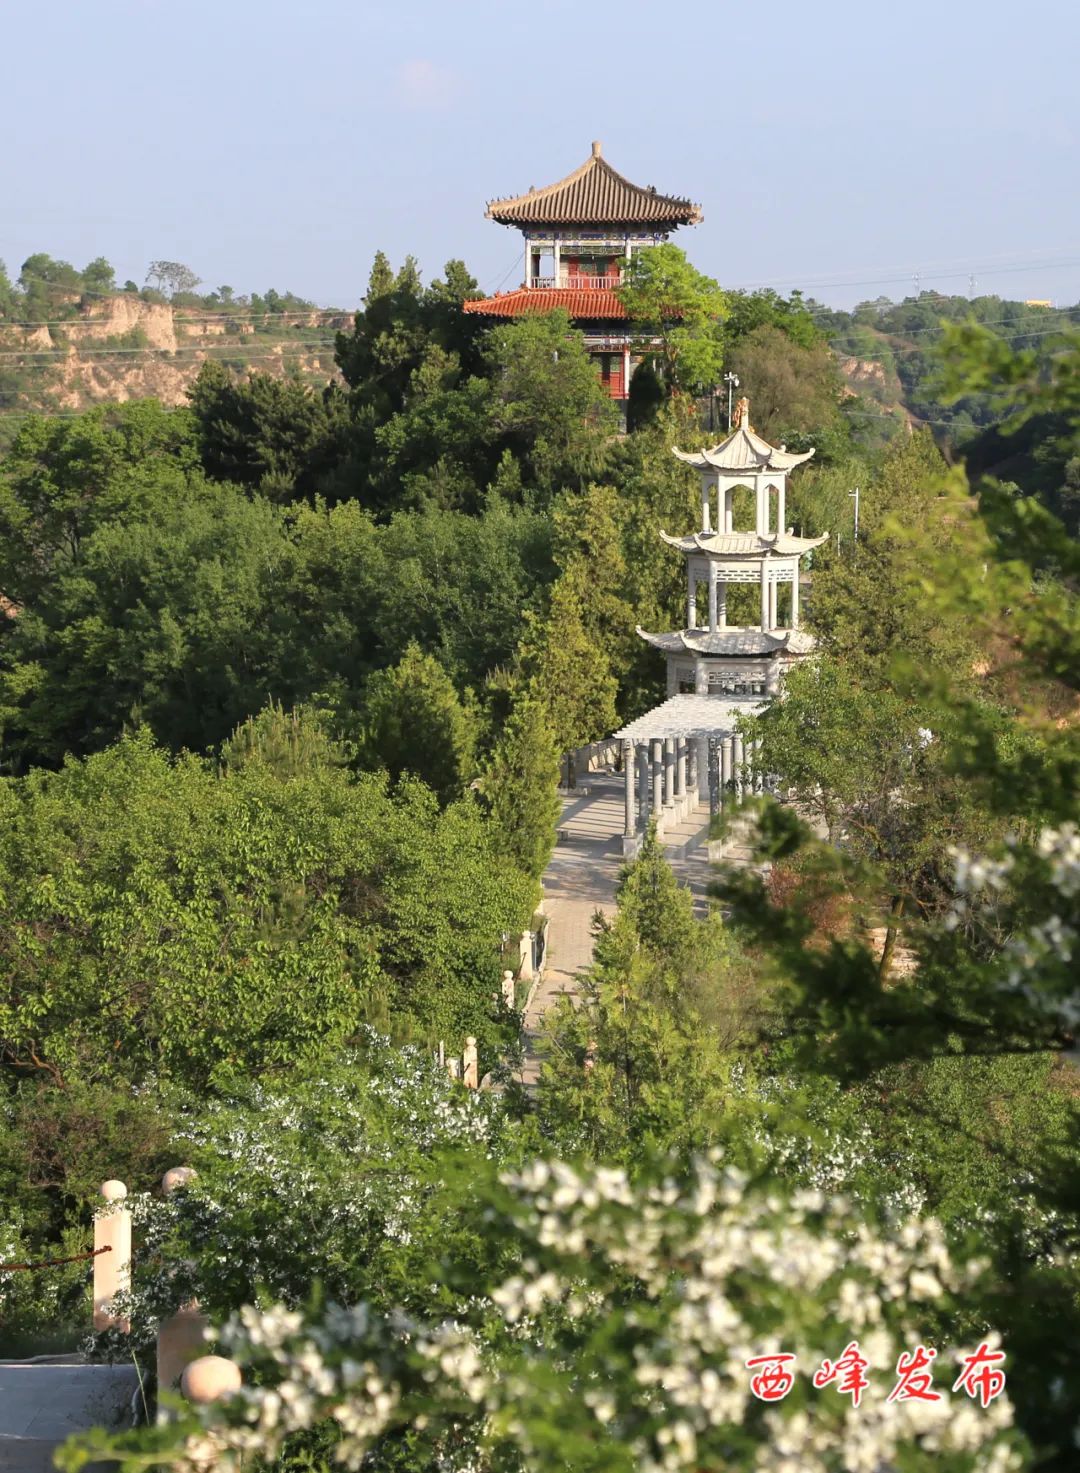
274,142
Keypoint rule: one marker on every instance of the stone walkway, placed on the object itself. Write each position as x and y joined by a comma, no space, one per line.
581,878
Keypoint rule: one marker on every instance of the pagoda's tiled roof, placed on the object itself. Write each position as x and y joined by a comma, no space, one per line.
595,194
743,450
743,544
588,304
731,641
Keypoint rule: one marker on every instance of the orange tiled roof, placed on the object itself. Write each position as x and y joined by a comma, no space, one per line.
590,304
595,194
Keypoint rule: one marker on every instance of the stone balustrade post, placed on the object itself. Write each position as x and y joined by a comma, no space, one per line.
112,1265
182,1337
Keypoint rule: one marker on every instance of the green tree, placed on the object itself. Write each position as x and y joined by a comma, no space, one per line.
565,672
518,788
791,387
277,435
414,722
172,277
98,277
645,1058
677,314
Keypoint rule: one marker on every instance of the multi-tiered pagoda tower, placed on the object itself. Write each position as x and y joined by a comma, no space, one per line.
579,234
717,670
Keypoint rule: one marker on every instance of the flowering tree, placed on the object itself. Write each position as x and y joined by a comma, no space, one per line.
620,1341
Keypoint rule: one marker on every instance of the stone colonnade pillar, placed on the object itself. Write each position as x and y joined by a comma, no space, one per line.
657,777
669,772
630,814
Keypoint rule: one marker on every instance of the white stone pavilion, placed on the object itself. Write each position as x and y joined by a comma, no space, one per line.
716,670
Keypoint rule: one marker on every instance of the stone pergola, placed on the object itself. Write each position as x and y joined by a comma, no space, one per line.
688,744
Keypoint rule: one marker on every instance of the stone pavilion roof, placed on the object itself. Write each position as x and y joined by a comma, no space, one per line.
731,641
743,544
743,451
595,194
596,305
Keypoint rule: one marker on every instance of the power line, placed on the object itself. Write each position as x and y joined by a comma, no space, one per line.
63,355
180,316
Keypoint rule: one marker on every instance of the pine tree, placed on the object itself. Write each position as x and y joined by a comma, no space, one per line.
568,672
519,788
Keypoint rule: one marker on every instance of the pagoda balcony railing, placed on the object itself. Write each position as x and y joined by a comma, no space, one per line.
578,282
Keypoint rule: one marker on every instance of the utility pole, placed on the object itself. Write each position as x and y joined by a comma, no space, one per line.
855,494
732,381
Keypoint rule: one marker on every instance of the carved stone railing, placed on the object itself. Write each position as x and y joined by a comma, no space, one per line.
575,282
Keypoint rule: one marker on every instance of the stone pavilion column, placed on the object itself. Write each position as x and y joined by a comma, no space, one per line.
726,767
764,595
706,521
781,506
738,758
795,597
729,509
721,604
761,495
691,766
712,598
680,775
774,592
691,596
669,772
657,777
644,783
630,826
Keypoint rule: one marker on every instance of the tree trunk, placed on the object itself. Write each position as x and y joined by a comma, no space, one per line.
891,932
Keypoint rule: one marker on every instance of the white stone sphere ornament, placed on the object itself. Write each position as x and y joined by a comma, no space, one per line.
210,1378
113,1190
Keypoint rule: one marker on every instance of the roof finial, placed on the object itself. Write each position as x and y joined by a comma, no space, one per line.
596,148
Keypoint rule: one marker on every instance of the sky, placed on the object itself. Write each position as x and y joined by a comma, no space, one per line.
851,150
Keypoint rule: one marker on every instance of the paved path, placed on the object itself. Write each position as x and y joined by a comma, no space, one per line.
581,879
41,1405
